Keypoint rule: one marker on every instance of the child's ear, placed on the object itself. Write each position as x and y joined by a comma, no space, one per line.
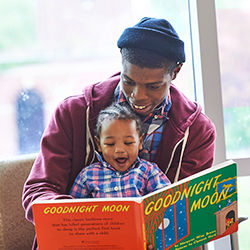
97,140
141,141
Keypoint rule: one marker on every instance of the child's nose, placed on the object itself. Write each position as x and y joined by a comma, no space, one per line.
119,149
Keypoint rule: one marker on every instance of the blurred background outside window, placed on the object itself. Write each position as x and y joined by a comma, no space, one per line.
233,24
51,49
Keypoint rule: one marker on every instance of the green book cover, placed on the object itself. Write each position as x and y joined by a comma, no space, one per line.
193,211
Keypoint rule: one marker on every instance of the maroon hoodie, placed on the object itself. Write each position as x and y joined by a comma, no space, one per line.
67,145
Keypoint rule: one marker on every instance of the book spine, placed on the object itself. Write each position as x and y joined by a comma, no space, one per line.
143,225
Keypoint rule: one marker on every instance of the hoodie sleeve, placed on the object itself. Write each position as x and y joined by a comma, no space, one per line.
64,143
51,174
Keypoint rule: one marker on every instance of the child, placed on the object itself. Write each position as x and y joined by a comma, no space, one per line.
119,138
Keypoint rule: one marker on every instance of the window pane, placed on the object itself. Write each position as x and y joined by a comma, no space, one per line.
243,196
50,49
233,23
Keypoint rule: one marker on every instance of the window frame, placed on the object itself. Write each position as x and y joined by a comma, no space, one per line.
207,74
206,68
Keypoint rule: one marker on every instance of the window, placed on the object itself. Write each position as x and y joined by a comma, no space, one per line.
29,111
56,53
207,69
232,23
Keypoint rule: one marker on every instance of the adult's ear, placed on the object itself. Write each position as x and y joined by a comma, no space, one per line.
177,70
97,140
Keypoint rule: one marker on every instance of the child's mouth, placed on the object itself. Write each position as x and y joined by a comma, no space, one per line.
121,160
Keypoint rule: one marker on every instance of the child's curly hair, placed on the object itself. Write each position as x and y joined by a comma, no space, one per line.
118,111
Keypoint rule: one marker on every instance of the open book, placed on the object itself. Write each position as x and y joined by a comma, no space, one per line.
184,215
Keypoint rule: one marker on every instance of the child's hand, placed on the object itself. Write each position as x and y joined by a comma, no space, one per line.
150,247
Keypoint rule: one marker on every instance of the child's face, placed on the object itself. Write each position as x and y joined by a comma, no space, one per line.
119,143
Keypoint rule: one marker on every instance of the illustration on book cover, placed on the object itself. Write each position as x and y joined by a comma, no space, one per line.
175,218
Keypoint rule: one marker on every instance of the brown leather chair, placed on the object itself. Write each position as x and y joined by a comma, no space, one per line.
15,231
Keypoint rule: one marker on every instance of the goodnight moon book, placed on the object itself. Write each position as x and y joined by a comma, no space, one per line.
183,215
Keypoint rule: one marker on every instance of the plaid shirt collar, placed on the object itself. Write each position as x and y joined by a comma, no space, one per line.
107,165
161,112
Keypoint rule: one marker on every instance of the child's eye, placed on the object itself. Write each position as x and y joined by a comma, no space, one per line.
109,144
128,143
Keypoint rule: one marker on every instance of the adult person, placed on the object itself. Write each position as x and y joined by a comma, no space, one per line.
180,138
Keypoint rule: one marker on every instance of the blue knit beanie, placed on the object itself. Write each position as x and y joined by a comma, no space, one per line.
156,35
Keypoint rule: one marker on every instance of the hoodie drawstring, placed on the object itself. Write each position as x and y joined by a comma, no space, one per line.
184,142
89,138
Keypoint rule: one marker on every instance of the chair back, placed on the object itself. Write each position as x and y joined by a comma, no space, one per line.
15,231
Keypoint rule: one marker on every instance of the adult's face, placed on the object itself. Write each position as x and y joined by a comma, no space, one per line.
145,88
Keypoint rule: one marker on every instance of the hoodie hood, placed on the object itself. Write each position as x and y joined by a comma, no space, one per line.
183,112
100,94
97,96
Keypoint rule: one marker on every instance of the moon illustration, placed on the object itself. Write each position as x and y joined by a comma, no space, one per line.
166,222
